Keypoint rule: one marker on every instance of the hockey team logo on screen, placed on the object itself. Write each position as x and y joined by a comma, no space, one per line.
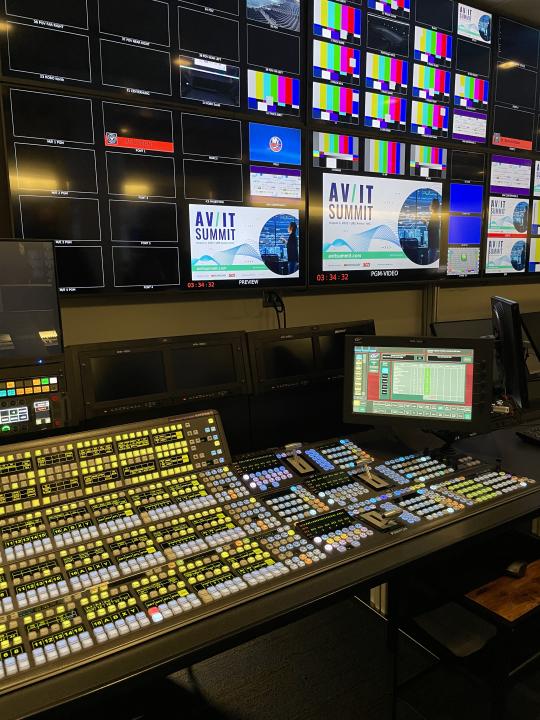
275,144
111,138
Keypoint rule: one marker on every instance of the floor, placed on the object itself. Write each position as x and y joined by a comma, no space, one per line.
332,665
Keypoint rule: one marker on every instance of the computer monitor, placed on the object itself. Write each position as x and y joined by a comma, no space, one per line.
30,328
294,357
509,349
479,328
430,383
531,325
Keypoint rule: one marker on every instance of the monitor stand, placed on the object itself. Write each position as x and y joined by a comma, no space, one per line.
419,440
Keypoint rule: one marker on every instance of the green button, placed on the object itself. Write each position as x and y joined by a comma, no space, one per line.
6,428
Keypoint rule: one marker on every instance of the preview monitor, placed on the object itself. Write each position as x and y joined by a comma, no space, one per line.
240,246
79,267
30,326
509,349
428,382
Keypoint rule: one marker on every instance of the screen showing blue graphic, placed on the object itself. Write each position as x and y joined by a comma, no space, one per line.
274,144
466,198
464,230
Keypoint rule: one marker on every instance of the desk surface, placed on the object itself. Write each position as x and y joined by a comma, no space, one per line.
231,620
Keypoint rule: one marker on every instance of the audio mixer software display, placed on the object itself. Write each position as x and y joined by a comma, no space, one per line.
414,382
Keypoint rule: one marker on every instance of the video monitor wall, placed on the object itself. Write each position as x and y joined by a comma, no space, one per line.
146,198
509,215
516,86
380,210
169,144
238,54
417,67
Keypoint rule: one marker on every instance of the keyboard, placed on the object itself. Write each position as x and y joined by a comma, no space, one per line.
530,434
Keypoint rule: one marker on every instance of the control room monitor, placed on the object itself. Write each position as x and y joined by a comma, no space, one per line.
440,384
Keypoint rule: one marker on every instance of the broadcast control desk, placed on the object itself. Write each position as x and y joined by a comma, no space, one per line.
144,545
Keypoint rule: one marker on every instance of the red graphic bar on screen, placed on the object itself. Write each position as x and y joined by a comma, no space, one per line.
469,376
138,143
512,142
373,386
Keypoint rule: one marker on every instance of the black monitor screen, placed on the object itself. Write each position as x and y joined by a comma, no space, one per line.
436,13
51,117
332,351
199,367
213,181
273,49
41,51
211,136
473,58
518,42
139,221
140,175
72,13
53,168
28,301
208,34
516,86
146,20
468,166
79,266
135,67
390,36
46,217
138,128
130,375
513,128
145,266
288,358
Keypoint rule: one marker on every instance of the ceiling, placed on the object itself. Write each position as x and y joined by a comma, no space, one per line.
526,10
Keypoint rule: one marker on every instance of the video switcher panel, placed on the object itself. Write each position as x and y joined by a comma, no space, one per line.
111,538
